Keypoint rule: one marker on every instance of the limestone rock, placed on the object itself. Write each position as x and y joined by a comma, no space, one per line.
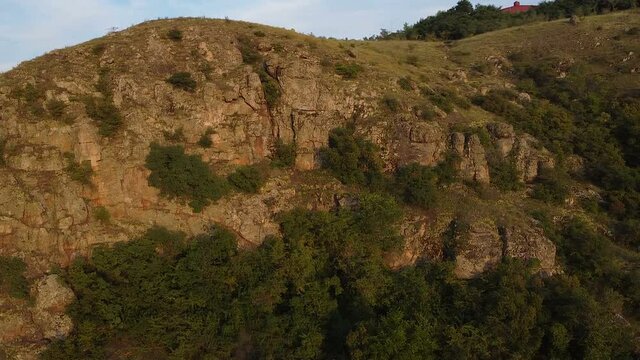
527,152
485,244
480,250
473,164
26,327
52,298
574,20
423,143
529,242
530,157
504,136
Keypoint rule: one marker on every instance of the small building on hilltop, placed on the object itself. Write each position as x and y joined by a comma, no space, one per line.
517,8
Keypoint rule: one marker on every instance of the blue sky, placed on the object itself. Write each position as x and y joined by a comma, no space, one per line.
29,28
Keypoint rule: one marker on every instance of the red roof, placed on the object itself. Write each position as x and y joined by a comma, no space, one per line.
517,8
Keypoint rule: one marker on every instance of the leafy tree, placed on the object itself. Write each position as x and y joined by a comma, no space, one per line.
504,175
12,280
551,186
179,175
352,159
416,185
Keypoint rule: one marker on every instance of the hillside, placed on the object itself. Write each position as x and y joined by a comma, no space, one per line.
344,170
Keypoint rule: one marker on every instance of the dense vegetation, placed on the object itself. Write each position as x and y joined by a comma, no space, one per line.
12,280
465,20
356,161
579,114
352,159
322,290
183,176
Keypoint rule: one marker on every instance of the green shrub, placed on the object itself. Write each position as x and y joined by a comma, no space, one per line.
105,113
442,103
352,159
259,33
454,239
183,176
176,135
447,170
552,186
248,179
405,83
283,155
504,175
205,140
98,49
391,103
56,108
348,71
101,214
12,280
271,88
183,81
250,54
416,185
424,111
80,172
33,96
174,34
103,85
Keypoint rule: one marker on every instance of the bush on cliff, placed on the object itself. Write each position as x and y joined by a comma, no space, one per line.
183,81
12,280
183,176
352,159
248,179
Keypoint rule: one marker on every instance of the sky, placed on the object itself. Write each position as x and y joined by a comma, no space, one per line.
29,28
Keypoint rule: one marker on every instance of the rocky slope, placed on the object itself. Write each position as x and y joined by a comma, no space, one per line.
48,218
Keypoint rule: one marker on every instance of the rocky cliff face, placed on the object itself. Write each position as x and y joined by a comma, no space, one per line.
46,217
26,328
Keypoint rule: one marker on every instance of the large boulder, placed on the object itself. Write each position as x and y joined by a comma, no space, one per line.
479,249
526,151
484,244
52,299
504,137
529,242
473,164
422,142
27,326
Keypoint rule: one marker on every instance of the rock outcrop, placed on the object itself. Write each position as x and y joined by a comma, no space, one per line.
473,164
26,328
525,150
485,243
